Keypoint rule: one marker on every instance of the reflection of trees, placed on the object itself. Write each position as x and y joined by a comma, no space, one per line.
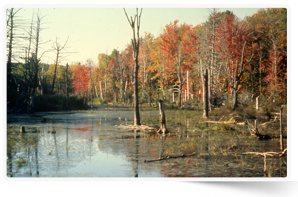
36,154
56,152
25,149
162,141
136,144
9,164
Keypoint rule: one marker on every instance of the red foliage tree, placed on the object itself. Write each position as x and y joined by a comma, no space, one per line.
81,78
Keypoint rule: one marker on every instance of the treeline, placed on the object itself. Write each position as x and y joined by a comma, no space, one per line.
244,58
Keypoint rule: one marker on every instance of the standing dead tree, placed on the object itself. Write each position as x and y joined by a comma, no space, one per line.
135,41
90,64
162,128
237,77
67,93
11,27
205,92
57,48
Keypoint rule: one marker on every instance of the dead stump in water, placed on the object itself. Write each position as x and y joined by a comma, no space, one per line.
22,129
162,128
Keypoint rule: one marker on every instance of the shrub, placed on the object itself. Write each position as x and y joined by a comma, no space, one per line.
247,111
223,110
103,101
57,102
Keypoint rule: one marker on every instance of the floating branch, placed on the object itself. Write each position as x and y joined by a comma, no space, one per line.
231,121
170,157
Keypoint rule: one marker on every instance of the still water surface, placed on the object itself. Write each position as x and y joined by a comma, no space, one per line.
88,144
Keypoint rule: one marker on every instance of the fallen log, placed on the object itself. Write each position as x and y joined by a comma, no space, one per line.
265,154
271,121
231,121
137,127
271,154
170,157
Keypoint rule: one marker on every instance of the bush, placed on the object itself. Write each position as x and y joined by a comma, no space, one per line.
247,111
103,101
57,102
223,110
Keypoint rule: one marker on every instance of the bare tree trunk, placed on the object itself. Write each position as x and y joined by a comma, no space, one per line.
210,88
163,82
237,77
67,93
100,89
205,94
42,80
91,88
36,52
257,103
280,132
106,72
236,85
125,87
260,63
135,44
187,78
162,128
136,97
150,90
252,81
96,91
173,96
9,57
202,76
57,48
122,86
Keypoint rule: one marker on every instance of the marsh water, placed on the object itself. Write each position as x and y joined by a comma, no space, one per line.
91,144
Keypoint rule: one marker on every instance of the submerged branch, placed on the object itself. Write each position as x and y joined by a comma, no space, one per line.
170,157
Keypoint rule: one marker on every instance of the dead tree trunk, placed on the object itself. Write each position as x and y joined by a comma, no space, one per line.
162,128
91,88
96,94
67,93
100,89
106,73
237,77
22,129
281,136
257,103
41,80
135,41
205,92
236,86
58,50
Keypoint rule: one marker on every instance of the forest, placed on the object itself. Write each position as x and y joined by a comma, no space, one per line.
244,58
221,87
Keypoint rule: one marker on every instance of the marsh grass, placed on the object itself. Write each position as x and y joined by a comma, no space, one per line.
20,162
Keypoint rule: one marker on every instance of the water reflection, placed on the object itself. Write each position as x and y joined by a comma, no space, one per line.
136,144
89,145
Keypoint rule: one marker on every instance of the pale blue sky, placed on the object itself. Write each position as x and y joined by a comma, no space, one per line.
94,30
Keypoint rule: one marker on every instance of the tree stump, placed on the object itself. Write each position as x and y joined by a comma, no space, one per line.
22,129
162,128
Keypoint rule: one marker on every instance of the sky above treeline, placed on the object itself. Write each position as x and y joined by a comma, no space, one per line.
99,30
